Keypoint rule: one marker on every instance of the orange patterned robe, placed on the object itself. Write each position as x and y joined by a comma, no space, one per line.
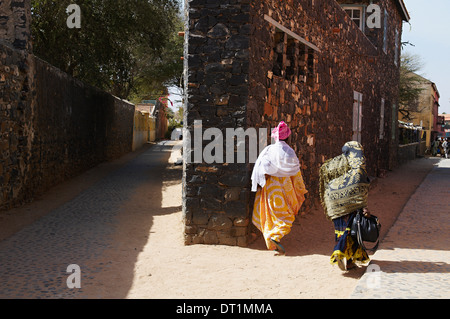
276,205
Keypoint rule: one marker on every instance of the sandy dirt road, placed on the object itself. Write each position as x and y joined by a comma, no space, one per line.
139,252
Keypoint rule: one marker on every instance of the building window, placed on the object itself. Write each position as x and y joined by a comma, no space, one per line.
310,67
385,35
293,57
356,14
397,47
357,116
278,53
394,122
293,60
306,66
382,119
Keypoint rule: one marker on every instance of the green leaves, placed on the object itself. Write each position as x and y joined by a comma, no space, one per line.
115,39
410,85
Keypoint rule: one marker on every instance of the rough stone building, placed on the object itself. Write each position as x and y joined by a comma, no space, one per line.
328,68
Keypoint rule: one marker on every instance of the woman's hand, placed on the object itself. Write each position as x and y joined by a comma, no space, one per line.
366,212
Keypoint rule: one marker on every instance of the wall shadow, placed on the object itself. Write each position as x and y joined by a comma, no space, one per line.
102,230
148,175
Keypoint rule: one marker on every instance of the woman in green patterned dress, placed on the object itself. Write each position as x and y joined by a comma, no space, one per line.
344,187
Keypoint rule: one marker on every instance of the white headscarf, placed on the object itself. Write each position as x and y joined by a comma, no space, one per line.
277,160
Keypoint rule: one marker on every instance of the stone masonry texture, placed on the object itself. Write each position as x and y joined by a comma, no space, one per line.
53,127
15,18
244,70
76,126
17,105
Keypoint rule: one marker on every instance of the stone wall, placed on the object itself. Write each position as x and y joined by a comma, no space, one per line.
53,127
242,70
17,106
15,19
409,152
76,127
215,198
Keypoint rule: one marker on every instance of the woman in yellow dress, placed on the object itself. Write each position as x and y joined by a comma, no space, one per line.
280,190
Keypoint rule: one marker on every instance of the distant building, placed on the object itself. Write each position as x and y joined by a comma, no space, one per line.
427,111
156,109
443,126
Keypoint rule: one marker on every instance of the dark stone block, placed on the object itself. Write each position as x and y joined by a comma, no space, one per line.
219,31
211,204
237,42
233,180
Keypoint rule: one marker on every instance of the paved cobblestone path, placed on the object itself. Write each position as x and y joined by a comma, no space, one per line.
34,261
413,260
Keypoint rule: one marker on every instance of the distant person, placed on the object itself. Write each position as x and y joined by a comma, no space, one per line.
435,147
445,147
280,190
344,188
440,149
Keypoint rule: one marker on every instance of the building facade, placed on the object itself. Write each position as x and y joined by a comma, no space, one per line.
319,65
444,125
427,111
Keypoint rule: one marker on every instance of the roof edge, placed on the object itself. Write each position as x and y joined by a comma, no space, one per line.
403,10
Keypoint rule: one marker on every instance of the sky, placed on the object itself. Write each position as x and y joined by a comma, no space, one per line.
429,31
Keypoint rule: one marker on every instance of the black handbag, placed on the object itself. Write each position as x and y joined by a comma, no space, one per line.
366,229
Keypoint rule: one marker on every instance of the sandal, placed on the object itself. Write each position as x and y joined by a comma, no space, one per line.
350,264
342,263
279,248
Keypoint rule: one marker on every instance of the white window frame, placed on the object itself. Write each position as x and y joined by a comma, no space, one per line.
357,116
362,14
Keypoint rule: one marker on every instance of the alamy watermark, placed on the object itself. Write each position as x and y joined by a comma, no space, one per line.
373,280
374,19
74,280
74,18
228,145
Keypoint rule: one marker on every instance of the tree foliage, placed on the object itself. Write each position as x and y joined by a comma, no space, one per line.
410,85
115,38
152,78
